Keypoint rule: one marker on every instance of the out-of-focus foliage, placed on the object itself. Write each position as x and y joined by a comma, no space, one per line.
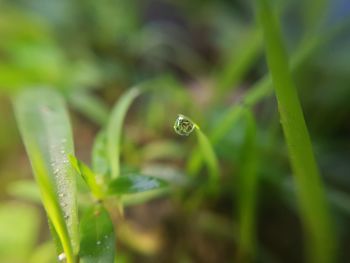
204,59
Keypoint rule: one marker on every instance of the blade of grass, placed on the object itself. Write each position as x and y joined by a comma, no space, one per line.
232,115
115,123
184,126
210,158
44,126
114,129
315,214
247,189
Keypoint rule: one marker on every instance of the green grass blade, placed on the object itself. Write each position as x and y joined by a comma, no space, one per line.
97,237
229,119
184,126
114,129
209,157
312,201
134,183
247,189
45,129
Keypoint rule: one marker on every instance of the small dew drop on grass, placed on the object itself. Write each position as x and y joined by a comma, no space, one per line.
183,126
61,257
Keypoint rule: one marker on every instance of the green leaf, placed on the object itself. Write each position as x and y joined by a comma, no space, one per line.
184,126
44,126
321,241
134,183
114,129
209,157
97,237
89,177
224,125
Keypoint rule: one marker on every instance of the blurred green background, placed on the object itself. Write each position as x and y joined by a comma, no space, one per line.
204,56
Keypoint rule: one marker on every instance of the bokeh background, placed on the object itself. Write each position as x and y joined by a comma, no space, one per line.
206,56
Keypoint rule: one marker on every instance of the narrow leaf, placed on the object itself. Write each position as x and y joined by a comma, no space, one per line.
135,183
184,126
210,159
312,201
114,129
44,125
247,189
97,237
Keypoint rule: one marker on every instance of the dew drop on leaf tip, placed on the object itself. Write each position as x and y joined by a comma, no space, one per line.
183,125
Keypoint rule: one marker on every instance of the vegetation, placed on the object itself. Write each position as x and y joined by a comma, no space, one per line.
97,163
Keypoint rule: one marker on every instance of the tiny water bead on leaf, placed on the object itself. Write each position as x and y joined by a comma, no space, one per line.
184,126
62,257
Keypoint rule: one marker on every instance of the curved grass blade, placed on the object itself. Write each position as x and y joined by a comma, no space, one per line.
114,129
97,237
229,119
115,123
135,183
45,129
315,214
210,158
184,126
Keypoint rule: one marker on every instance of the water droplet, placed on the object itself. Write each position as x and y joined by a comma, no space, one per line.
98,242
61,256
183,125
